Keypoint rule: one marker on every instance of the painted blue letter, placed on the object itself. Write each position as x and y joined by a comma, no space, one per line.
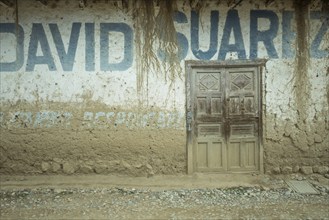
39,36
180,17
67,59
90,46
232,24
265,36
18,63
104,44
315,51
288,35
213,36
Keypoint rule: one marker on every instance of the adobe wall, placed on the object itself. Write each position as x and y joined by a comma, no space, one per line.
72,101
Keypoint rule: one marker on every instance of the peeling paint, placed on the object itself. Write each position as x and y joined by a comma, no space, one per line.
43,119
134,120
100,120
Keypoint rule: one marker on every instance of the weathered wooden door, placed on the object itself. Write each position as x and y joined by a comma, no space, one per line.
224,118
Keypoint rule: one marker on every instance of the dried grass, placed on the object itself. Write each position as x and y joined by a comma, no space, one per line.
155,35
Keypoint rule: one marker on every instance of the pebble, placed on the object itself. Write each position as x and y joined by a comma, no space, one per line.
299,178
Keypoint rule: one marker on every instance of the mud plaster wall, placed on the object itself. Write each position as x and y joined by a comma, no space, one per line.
83,114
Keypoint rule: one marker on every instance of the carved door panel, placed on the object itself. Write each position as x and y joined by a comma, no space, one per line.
225,109
209,148
242,119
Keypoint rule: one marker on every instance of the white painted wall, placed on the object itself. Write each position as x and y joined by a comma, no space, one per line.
118,88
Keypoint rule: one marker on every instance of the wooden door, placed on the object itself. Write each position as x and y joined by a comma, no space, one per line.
209,149
242,119
224,119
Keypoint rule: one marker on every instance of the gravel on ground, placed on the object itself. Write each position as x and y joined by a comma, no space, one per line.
273,201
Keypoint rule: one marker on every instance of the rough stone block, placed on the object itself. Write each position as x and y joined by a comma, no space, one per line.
307,170
86,169
55,167
317,138
57,160
45,166
114,166
126,165
276,170
148,166
286,170
68,168
138,166
101,169
150,173
114,163
268,172
321,169
3,158
296,169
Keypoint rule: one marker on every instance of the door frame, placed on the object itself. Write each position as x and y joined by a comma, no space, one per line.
189,65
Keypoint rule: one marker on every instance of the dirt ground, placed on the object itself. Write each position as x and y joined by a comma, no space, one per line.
199,196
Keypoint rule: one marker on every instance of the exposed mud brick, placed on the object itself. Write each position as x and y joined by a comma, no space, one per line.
45,166
68,168
321,169
307,170
286,170
276,170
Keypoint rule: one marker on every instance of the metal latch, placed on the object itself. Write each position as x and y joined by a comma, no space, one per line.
189,120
